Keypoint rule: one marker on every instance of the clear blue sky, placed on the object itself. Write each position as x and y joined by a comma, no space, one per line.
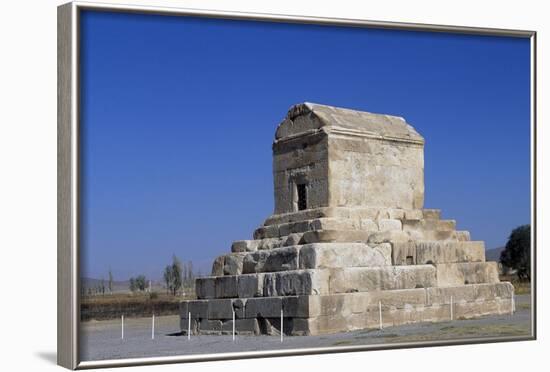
178,117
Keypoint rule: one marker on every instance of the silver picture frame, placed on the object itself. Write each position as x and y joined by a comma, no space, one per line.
68,180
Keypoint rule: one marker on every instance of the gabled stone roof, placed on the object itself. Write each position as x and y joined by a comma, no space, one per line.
305,118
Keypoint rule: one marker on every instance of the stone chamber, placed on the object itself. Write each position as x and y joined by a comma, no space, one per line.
350,245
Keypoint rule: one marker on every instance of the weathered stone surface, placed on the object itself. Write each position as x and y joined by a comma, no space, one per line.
328,236
244,246
449,252
198,308
489,291
335,224
220,309
226,286
446,225
250,285
414,214
339,255
205,287
463,236
387,237
296,282
467,273
432,214
242,327
361,279
389,225
217,266
263,307
271,260
403,253
233,264
292,239
207,326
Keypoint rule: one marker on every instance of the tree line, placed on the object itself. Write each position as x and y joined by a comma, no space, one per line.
177,276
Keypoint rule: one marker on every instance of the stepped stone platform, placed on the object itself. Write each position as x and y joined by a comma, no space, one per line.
349,245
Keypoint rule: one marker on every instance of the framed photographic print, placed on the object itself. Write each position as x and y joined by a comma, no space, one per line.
235,185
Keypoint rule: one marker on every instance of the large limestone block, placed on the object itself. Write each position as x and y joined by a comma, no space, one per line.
391,236
467,273
468,310
220,308
442,295
432,214
360,302
328,236
250,285
210,327
296,282
226,286
340,255
278,259
363,279
205,287
450,252
335,224
263,307
390,225
294,227
307,214
244,246
403,253
217,266
435,252
233,264
246,327
493,290
197,308
223,308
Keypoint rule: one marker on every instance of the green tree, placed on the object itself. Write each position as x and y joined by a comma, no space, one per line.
517,253
173,276
110,281
133,286
167,275
141,282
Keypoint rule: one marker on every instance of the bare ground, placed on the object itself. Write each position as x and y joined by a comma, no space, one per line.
101,340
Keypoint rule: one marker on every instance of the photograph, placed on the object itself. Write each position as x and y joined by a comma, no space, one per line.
250,186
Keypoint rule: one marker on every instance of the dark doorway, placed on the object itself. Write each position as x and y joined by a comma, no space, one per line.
302,196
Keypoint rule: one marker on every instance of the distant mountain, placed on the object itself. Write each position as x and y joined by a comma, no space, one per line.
493,254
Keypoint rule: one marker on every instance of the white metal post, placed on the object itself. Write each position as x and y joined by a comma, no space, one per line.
380,313
281,325
233,325
153,328
189,326
451,307
122,327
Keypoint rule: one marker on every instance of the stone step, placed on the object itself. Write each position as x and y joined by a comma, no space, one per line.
431,214
384,223
358,213
317,314
436,252
463,236
316,281
335,254
466,273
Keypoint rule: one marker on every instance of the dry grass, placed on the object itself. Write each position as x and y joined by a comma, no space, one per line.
520,286
130,304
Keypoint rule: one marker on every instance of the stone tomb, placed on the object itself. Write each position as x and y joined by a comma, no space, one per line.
348,239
